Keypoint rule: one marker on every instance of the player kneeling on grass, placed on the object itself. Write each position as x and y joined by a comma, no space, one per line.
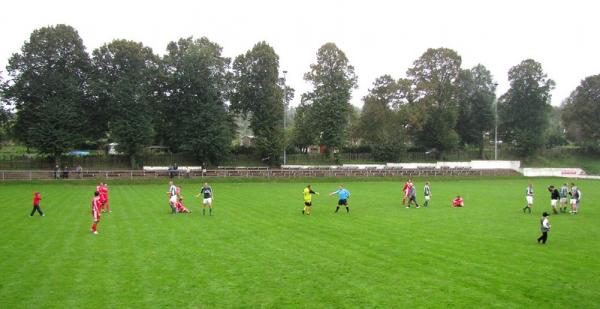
207,198
36,205
343,196
458,202
308,200
96,209
554,197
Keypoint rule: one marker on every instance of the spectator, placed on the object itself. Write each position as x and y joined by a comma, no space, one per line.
66,172
78,171
56,172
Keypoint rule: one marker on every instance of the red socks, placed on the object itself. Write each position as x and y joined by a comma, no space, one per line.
94,227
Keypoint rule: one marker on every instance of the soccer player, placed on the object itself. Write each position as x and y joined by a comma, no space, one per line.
564,191
574,198
427,194
104,198
180,207
96,208
554,196
308,191
529,198
458,202
412,196
207,195
544,227
36,205
343,196
406,189
172,197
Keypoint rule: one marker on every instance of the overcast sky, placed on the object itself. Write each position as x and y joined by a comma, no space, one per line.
379,37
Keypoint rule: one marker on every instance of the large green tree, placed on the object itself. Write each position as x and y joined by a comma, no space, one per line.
197,119
258,95
49,88
525,106
5,115
123,83
475,106
332,79
581,113
382,121
435,76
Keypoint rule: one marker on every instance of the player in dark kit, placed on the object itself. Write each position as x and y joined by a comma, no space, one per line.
554,197
207,198
36,204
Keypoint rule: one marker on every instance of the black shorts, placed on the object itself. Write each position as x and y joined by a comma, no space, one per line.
343,202
308,204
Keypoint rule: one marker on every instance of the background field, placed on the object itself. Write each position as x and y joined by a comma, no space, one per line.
258,250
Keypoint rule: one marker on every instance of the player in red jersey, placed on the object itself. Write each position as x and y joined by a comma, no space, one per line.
104,198
96,208
458,202
406,189
36,204
179,204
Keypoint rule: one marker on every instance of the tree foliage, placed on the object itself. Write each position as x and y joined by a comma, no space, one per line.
476,96
197,119
526,105
435,76
258,95
332,79
49,88
581,113
123,83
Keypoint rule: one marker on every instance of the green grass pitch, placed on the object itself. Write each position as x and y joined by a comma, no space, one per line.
259,251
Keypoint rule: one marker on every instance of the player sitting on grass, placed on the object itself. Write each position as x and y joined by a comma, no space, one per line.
308,192
458,202
344,195
179,206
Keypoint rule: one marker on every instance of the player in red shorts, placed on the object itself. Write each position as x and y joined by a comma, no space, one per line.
179,204
96,208
406,189
458,202
104,198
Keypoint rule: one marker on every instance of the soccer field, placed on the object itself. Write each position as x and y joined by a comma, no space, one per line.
258,250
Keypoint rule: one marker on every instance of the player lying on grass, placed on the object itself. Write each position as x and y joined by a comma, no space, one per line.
343,196
308,192
458,202
36,205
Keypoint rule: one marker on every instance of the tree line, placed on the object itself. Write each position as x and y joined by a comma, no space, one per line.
58,98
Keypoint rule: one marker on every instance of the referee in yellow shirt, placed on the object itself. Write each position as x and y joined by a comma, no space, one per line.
308,192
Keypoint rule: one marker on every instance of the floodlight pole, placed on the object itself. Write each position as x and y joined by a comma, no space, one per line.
285,103
495,126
